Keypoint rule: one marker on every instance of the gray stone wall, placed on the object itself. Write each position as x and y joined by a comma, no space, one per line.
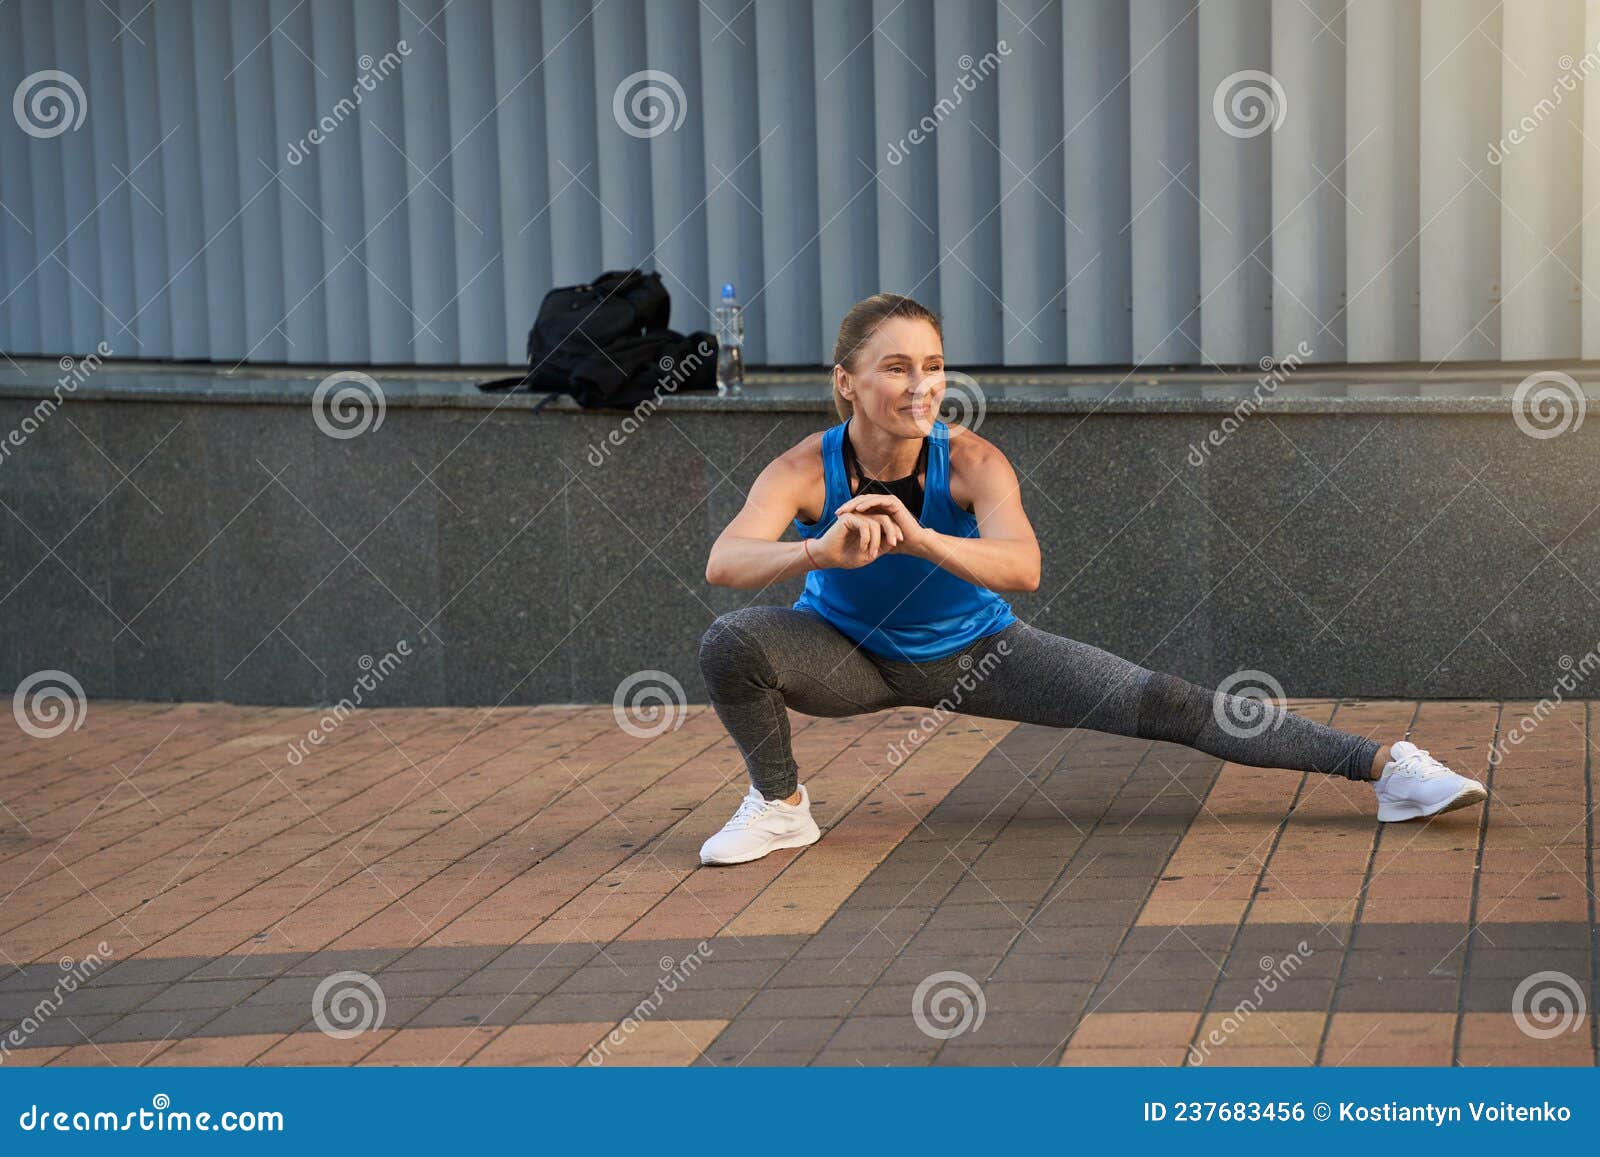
186,549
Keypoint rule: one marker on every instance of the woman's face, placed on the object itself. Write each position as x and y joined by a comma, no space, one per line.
897,382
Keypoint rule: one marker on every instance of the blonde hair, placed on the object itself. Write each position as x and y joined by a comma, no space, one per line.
861,321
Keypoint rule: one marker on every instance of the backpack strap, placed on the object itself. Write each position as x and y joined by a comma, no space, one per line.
504,385
511,385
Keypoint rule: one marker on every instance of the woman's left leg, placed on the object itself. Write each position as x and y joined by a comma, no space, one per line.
1031,676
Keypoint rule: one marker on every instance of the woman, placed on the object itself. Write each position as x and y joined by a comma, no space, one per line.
907,529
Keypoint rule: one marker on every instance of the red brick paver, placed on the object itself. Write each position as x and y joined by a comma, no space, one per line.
195,885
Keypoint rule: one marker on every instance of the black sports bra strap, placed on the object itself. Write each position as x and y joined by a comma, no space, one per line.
907,489
853,465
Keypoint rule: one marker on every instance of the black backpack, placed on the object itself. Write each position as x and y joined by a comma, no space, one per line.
607,344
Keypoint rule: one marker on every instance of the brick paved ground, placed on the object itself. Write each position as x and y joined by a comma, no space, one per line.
516,882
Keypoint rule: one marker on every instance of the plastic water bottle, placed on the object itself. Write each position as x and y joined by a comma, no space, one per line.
730,343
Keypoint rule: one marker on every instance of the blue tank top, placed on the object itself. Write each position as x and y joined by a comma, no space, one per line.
899,607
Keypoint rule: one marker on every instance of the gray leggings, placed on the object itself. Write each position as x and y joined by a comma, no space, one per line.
759,660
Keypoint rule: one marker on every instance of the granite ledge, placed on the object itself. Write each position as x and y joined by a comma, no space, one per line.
1413,390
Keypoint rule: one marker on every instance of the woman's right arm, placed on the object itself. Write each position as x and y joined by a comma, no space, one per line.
748,553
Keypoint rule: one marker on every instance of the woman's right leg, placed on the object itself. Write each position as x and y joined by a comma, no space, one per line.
760,660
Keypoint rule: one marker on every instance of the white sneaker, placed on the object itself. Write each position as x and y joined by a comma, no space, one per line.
760,826
1414,785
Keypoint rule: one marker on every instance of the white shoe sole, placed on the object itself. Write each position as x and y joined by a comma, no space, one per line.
803,838
1399,812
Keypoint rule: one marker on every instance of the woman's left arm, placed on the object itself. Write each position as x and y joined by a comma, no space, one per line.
1004,558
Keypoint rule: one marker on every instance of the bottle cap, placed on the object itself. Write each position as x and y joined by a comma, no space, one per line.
727,291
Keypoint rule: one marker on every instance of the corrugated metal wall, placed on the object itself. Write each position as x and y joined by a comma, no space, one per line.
1077,199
